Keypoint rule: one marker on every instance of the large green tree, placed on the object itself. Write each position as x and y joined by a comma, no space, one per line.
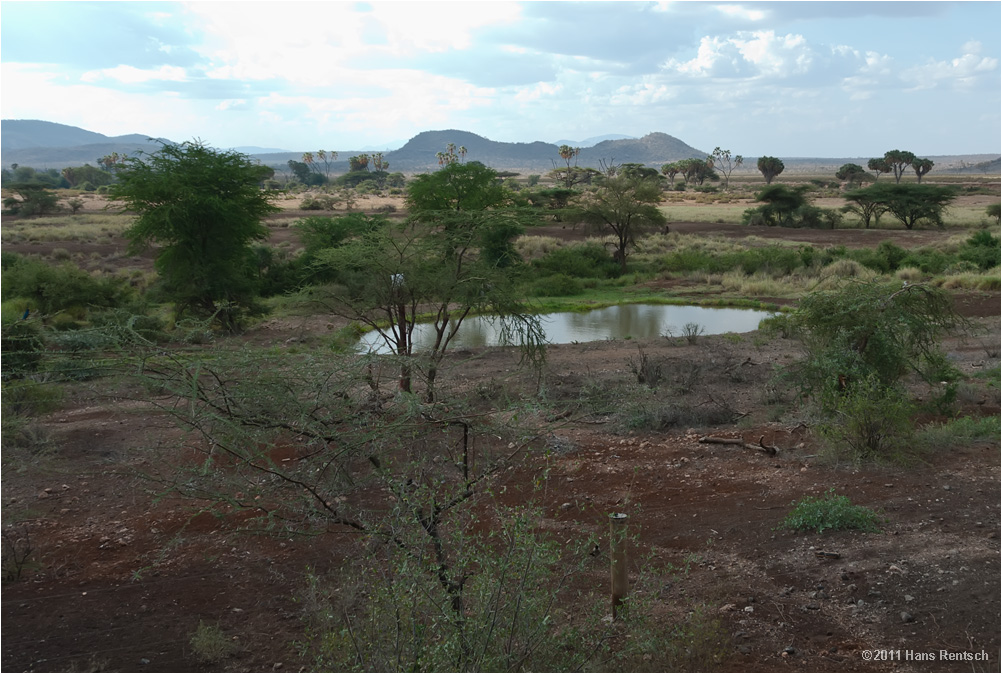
912,204
389,279
898,160
878,165
202,209
770,167
853,174
626,206
867,204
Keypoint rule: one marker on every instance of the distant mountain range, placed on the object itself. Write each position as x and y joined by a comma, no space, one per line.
49,145
46,145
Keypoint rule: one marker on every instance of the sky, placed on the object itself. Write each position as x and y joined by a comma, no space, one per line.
786,79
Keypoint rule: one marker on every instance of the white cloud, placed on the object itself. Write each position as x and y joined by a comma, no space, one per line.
962,72
537,91
749,54
107,111
740,12
132,75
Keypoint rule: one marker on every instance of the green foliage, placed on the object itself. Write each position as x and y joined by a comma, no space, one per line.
879,329
22,347
318,233
783,206
203,209
33,198
960,432
319,202
78,175
384,279
626,206
853,174
514,614
831,512
210,644
770,167
50,289
981,249
588,260
457,187
994,211
898,161
556,285
771,259
867,420
910,204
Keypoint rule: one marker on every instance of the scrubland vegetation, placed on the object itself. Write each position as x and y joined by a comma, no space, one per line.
316,438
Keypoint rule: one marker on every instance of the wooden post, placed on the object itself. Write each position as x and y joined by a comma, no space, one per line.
617,542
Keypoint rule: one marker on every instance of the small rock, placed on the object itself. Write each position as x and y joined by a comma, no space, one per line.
908,597
789,650
907,617
727,607
749,609
144,661
813,607
894,568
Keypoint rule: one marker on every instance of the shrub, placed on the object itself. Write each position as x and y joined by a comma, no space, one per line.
864,328
319,202
22,348
52,289
557,285
867,420
588,260
210,644
833,512
981,249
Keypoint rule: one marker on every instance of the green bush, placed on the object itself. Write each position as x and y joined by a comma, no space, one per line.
556,285
832,512
982,249
50,289
866,420
22,345
589,260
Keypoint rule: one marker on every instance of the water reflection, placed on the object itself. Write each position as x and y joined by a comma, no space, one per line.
639,321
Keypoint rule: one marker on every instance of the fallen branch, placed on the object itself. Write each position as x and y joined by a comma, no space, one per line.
771,450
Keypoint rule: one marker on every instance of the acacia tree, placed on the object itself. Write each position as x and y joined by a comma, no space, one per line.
722,160
625,205
867,204
912,204
202,208
390,279
770,167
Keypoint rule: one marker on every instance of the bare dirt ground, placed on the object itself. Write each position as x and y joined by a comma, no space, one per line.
120,579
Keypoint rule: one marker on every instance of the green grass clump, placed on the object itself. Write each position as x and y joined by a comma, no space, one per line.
210,644
830,512
960,432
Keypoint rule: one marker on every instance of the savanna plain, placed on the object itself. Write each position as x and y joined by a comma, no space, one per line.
119,554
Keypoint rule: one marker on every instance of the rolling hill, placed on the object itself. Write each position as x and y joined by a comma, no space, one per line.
44,145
